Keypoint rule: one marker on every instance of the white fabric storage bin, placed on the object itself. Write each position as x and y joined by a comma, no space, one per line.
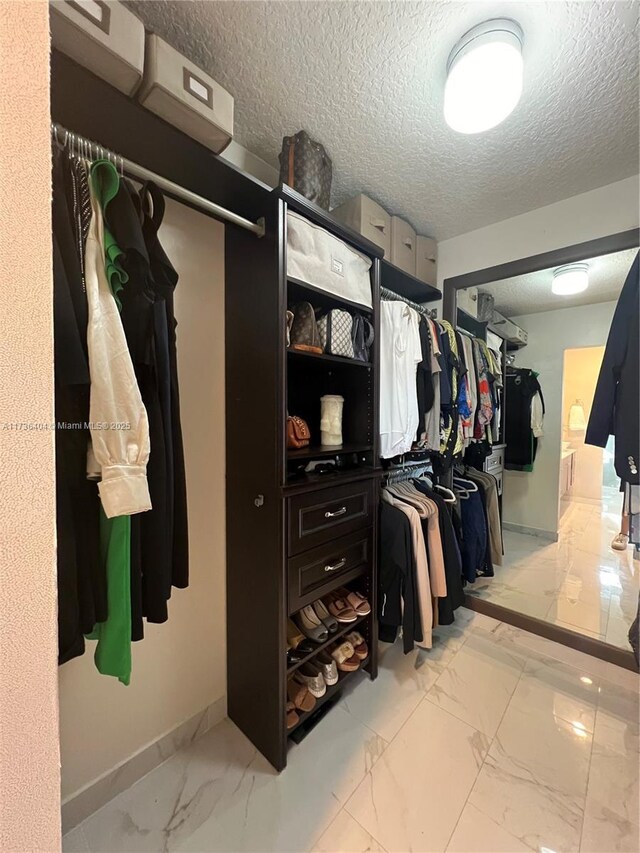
183,95
403,245
368,218
102,35
317,257
426,259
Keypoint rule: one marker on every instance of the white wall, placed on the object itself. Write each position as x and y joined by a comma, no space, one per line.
531,499
607,210
29,752
180,667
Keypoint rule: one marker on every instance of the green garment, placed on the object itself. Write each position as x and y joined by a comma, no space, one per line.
105,183
113,652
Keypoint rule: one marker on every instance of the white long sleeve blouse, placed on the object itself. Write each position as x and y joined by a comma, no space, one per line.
119,427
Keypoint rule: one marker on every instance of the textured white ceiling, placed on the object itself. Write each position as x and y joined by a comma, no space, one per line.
531,294
366,79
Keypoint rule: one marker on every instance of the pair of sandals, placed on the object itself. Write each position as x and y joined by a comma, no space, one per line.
350,653
316,622
347,605
299,701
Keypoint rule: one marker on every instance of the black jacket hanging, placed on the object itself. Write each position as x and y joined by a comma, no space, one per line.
615,403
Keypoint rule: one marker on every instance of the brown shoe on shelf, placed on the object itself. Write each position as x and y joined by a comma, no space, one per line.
359,645
340,610
355,600
345,657
292,717
300,696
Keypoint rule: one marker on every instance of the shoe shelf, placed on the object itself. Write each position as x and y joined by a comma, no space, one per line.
305,716
341,632
330,359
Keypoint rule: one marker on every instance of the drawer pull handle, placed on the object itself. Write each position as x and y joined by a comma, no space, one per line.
336,566
335,514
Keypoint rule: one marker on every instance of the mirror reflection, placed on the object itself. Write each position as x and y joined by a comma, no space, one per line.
569,557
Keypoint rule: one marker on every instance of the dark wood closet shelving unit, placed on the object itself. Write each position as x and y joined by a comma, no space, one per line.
317,452
279,540
336,359
407,285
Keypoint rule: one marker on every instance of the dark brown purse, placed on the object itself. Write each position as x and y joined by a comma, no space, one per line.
298,434
305,166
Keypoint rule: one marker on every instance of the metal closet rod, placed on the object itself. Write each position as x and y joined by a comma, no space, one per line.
385,293
94,150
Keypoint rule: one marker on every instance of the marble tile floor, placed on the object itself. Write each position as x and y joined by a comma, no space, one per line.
579,582
494,740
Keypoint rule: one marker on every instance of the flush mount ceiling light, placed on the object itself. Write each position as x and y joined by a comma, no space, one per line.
484,76
570,279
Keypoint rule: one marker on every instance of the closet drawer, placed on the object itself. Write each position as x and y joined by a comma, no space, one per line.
403,245
368,218
105,37
321,516
316,572
185,96
495,462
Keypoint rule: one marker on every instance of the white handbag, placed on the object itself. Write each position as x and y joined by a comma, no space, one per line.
335,329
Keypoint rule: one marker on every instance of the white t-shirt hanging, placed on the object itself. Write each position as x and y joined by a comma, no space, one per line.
400,354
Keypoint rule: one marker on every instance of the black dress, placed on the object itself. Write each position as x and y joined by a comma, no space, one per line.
82,599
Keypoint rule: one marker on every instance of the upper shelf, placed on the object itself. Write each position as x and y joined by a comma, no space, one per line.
323,218
320,298
407,285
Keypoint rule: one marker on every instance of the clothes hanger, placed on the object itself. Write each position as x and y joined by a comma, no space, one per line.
468,485
451,499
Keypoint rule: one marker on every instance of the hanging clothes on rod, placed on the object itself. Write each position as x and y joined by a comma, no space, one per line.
420,579
524,418
124,543
92,150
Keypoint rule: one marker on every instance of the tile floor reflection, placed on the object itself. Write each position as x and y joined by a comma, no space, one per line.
494,740
578,582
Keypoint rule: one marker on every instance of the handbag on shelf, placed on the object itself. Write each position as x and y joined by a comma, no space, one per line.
303,334
335,331
298,433
305,166
362,336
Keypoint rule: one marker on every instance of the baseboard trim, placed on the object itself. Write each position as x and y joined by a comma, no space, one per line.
550,535
85,802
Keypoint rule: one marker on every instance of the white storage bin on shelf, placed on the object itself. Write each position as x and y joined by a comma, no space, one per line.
403,245
102,35
318,258
426,259
368,218
183,95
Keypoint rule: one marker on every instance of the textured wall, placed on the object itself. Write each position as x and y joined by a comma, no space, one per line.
29,756
180,667
531,499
